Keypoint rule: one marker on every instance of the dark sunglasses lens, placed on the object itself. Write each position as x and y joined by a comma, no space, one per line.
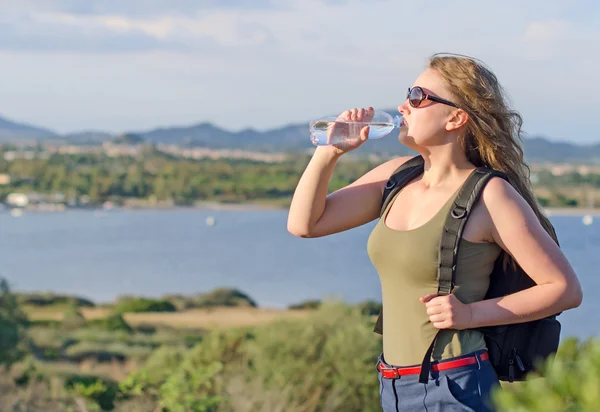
415,97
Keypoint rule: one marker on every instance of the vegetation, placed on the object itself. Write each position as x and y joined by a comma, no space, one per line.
112,323
289,364
307,304
52,299
569,383
221,297
154,178
135,305
12,326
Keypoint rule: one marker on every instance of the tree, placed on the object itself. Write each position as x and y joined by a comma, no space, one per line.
12,325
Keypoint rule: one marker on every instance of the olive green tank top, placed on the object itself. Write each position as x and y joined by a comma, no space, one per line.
407,262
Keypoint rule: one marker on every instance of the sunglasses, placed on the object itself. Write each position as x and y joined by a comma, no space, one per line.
416,95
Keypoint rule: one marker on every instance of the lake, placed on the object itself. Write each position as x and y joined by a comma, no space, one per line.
101,255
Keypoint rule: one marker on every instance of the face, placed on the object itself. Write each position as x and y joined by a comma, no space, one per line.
429,124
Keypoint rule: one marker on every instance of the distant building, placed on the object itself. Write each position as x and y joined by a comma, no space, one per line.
17,200
4,179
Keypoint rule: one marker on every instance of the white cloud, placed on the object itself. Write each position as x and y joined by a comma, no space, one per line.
545,31
159,27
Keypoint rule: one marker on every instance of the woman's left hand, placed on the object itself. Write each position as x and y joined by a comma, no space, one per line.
447,312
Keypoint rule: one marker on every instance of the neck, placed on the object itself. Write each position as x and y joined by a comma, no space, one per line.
445,164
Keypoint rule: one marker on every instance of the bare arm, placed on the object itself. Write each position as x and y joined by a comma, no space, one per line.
313,213
517,230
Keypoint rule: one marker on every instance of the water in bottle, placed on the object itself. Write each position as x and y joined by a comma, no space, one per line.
333,130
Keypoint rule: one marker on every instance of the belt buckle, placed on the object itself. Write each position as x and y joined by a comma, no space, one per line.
394,370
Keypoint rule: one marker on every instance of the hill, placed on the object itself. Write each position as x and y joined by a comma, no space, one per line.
10,130
288,138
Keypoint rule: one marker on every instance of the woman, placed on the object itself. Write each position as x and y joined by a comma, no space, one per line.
457,119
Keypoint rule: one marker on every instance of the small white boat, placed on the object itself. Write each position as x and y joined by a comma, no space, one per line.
587,220
210,221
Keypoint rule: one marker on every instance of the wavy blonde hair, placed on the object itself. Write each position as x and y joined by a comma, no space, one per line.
493,138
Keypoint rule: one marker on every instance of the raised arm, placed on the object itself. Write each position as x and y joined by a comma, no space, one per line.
313,213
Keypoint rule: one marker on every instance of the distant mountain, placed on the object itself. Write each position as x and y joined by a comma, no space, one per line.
294,137
11,130
539,149
288,138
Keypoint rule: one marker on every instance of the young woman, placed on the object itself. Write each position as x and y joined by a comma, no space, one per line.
457,119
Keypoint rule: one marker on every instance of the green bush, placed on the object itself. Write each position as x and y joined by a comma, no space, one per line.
370,308
101,391
181,302
46,323
102,352
198,383
12,327
160,365
566,201
112,323
325,361
136,305
51,299
221,297
95,331
27,372
570,382
72,319
48,343
322,363
191,388
307,304
543,201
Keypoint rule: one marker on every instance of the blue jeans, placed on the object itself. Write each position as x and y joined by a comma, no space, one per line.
466,388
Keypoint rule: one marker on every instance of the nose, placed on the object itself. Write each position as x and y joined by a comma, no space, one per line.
404,108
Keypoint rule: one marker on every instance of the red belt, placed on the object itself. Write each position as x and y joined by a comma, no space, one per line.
393,373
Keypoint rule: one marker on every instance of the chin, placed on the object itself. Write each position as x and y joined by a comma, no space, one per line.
420,143
407,140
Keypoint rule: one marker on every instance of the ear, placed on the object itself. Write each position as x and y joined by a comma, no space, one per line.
458,118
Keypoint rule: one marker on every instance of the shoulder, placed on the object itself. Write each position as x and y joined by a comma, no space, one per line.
498,189
507,209
379,175
499,194
388,168
384,171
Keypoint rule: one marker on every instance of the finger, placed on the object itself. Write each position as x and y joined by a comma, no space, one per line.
437,301
345,115
364,133
437,318
427,298
360,114
441,325
369,114
434,310
353,114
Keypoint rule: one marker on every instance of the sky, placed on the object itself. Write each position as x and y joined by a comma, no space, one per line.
116,66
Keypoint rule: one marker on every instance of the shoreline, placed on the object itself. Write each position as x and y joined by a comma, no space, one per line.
243,207
576,211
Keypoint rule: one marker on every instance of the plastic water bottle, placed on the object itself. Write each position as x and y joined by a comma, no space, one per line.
332,130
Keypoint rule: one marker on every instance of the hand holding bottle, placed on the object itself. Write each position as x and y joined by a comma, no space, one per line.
352,128
349,130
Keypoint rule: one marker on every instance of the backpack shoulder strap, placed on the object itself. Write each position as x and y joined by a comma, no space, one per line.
454,226
455,222
401,176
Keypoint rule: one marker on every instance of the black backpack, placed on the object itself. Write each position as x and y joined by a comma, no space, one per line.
514,349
